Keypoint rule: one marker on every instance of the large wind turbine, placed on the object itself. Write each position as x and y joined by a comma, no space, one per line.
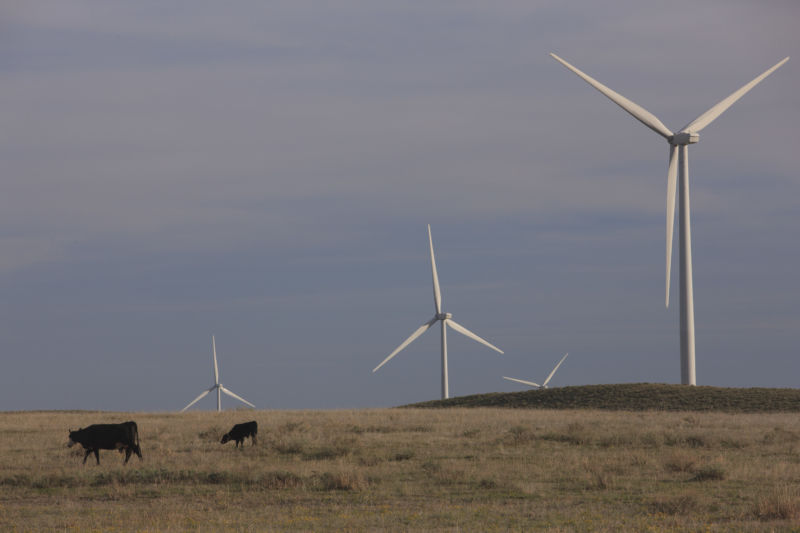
545,382
446,319
217,385
678,159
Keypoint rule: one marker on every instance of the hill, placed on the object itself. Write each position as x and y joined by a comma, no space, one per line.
636,397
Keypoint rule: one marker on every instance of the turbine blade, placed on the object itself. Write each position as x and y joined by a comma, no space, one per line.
437,293
709,116
216,369
196,399
464,331
672,183
531,383
554,370
233,395
639,113
422,329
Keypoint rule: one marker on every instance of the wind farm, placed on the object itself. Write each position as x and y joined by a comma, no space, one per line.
265,173
185,205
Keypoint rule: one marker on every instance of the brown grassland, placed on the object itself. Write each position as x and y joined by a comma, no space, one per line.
457,469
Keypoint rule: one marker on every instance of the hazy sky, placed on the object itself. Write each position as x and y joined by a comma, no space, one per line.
264,172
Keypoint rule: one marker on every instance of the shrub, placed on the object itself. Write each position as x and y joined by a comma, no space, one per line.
520,435
338,448
326,452
342,481
679,505
287,447
679,462
213,434
598,479
431,467
281,480
780,435
487,484
782,503
43,482
291,427
695,441
709,473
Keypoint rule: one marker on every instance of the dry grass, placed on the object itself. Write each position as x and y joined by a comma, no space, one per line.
409,470
782,503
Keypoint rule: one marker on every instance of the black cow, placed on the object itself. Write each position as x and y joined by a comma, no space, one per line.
124,436
240,431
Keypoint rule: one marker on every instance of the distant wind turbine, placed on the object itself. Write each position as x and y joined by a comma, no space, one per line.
446,319
678,159
546,381
217,385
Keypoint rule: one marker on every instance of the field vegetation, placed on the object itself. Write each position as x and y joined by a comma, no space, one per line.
409,469
637,397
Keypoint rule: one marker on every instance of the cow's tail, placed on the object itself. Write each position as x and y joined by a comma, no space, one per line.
136,449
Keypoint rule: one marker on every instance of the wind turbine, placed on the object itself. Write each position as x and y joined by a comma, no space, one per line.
678,159
446,319
217,385
544,384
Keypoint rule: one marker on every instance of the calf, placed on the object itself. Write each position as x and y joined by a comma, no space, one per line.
124,436
240,431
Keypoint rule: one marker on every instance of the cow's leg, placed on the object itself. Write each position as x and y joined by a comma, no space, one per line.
127,454
97,455
254,438
86,455
138,451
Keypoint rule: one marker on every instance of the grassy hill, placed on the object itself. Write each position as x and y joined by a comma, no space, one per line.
636,397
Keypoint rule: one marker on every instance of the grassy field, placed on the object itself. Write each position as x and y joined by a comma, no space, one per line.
457,469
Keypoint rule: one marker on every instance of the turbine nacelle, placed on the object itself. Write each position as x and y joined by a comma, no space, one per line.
683,138
443,316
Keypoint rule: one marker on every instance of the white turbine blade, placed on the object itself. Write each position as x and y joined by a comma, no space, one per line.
554,370
216,369
196,399
437,293
464,331
639,113
672,182
232,395
709,116
531,383
422,329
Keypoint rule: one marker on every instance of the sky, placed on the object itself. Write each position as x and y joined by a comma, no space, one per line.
264,172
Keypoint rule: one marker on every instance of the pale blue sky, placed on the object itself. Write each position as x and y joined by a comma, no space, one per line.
264,172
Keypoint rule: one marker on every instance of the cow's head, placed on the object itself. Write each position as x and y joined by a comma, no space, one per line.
225,438
73,437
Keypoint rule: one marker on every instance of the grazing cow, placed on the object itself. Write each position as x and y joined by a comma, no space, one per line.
124,436
240,431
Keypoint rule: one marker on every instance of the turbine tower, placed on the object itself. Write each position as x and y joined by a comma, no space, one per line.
446,319
217,385
544,384
678,171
